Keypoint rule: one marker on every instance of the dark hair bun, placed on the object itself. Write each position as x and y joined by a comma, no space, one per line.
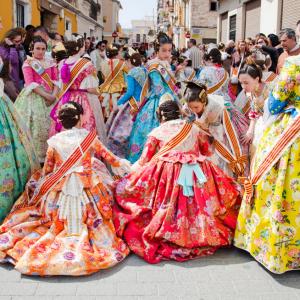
136,59
196,92
162,39
37,39
251,69
214,56
69,114
75,45
169,110
112,52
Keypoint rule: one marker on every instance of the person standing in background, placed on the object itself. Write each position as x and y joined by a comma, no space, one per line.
98,56
44,34
290,46
195,54
11,49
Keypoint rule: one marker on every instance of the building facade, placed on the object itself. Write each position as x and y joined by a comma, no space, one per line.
184,19
111,9
239,19
142,30
62,16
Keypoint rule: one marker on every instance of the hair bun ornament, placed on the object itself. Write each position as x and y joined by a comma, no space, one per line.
68,106
165,97
65,73
76,37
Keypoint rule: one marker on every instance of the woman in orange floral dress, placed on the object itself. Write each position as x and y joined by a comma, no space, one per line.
62,224
176,205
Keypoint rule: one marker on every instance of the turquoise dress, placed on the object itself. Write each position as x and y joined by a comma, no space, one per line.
120,128
146,119
17,158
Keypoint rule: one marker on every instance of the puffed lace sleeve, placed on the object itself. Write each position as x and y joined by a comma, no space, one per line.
119,166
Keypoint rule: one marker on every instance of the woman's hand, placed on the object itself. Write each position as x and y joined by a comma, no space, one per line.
50,99
248,137
8,42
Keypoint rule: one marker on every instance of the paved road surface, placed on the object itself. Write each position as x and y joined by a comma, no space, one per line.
229,274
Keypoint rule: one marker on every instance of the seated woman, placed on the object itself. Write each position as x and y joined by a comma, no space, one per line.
62,224
176,205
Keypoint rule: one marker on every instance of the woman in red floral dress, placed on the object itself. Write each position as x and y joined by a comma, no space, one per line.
176,204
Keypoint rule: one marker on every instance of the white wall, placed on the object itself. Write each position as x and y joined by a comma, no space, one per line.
269,16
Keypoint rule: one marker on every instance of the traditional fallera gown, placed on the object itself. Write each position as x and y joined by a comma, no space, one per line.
268,224
17,156
212,120
84,79
114,71
252,109
120,129
183,75
176,204
160,81
66,228
32,107
216,79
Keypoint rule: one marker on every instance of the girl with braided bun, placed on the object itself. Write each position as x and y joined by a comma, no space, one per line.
62,223
176,205
160,81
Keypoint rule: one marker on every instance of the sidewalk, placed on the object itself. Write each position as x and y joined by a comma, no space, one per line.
229,274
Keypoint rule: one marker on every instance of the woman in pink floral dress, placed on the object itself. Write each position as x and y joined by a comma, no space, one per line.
79,84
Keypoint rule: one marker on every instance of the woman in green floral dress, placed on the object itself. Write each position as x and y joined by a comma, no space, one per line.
17,158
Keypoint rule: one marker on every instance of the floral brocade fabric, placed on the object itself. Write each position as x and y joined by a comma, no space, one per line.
269,229
159,222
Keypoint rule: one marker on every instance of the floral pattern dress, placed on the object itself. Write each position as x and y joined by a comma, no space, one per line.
32,107
212,120
212,75
146,119
121,126
70,230
17,156
269,228
92,117
180,206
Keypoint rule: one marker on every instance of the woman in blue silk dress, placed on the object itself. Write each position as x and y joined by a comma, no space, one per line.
160,81
120,129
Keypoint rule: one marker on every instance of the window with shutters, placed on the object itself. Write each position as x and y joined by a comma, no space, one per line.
232,27
138,38
20,9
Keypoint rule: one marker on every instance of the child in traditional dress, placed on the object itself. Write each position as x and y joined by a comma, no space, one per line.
62,224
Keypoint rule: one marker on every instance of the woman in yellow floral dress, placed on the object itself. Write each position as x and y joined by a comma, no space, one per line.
269,223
